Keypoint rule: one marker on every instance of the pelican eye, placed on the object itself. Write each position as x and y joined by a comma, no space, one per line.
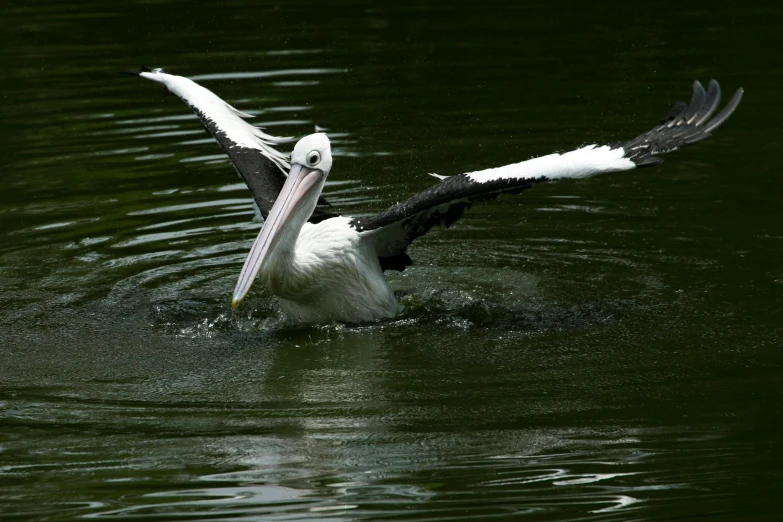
313,158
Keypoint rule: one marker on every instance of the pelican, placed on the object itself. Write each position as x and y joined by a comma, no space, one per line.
326,268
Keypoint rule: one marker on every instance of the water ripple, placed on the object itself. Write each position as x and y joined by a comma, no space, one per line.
265,74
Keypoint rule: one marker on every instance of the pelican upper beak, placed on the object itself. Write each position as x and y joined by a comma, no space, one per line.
291,202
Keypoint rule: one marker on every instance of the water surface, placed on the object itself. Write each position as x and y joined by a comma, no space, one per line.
607,349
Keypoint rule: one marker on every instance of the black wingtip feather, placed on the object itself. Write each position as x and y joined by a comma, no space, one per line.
697,102
675,112
711,104
684,125
727,111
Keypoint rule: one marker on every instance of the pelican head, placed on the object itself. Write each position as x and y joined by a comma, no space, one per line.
311,162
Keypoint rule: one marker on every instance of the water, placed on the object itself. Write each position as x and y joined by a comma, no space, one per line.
598,350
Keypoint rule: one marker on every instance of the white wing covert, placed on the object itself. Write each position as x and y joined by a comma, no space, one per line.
252,151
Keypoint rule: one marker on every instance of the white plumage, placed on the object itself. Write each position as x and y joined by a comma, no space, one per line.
333,270
579,163
225,117
333,274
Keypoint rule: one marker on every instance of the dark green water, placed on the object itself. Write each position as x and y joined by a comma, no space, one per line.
600,350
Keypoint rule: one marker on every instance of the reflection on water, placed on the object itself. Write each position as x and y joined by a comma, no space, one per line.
597,350
336,436
337,497
264,74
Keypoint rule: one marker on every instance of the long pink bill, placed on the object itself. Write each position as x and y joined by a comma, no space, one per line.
301,180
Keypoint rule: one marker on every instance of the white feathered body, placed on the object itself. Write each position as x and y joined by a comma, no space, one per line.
332,273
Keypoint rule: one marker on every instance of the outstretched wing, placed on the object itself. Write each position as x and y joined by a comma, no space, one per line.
395,228
251,150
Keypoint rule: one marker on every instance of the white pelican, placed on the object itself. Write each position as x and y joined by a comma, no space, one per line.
330,268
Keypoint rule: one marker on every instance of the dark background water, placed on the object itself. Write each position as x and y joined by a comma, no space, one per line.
608,349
